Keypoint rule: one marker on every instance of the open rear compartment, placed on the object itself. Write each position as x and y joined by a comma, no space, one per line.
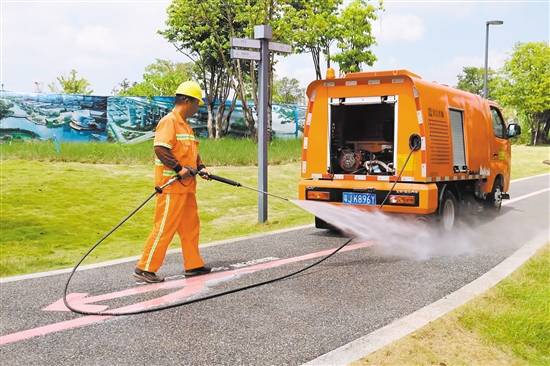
362,134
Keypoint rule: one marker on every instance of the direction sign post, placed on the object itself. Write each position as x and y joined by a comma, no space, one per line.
262,35
263,32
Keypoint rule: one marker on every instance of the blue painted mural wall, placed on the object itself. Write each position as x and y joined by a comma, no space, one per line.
64,117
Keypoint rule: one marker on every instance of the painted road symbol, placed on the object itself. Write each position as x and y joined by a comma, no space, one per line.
184,288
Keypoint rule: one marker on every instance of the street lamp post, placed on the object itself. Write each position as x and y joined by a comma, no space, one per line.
485,75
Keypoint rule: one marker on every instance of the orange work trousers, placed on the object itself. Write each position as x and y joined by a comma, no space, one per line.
174,212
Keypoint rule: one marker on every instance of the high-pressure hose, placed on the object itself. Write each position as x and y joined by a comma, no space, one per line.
159,190
414,144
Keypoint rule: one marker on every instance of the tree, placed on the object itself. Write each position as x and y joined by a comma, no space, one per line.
525,86
354,36
287,91
247,15
122,87
317,24
160,78
199,29
314,28
71,84
471,80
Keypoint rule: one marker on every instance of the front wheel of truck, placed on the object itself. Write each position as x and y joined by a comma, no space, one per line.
494,199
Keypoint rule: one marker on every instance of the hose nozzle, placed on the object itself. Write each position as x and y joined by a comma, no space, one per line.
220,179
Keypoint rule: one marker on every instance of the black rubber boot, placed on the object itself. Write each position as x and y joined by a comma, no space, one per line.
149,277
197,271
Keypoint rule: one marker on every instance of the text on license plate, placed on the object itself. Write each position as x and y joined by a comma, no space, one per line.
352,198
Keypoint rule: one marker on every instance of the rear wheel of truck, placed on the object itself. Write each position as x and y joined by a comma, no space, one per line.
322,224
494,199
448,211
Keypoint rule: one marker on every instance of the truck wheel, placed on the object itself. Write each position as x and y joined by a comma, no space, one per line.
321,224
494,199
448,211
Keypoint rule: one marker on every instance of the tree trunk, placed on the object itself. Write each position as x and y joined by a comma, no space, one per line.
546,127
210,121
227,120
328,56
218,121
536,127
224,87
315,54
239,87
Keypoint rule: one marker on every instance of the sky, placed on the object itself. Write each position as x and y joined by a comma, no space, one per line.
107,41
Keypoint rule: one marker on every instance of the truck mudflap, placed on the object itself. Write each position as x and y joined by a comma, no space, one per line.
406,197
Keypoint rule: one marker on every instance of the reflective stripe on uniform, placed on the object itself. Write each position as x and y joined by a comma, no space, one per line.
185,137
169,173
161,229
158,162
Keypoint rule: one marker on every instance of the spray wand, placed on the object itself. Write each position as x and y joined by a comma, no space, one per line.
230,182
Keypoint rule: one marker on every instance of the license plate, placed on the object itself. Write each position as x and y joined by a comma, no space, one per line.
352,198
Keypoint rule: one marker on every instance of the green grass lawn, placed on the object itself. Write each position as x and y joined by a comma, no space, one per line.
516,314
224,152
52,209
52,212
528,160
508,325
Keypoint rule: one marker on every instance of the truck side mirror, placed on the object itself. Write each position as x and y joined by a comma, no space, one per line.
514,130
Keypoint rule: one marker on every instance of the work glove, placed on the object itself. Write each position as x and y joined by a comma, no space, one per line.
187,171
203,172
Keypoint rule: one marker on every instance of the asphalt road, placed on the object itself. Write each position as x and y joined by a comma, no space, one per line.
289,322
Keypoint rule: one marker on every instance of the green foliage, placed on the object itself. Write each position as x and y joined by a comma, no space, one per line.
525,86
200,30
287,91
160,79
355,36
314,28
471,80
71,84
318,24
526,83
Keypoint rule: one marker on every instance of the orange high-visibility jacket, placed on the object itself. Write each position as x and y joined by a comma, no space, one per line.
174,133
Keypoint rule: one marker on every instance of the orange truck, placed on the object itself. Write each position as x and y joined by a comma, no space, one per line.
389,140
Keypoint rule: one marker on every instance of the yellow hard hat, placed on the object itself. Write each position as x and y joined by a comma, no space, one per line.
191,89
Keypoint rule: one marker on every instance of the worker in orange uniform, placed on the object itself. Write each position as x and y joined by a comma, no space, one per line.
176,150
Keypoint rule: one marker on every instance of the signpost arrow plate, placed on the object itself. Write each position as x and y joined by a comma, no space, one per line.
244,54
280,47
245,43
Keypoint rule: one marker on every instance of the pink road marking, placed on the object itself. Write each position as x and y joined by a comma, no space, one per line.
187,287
